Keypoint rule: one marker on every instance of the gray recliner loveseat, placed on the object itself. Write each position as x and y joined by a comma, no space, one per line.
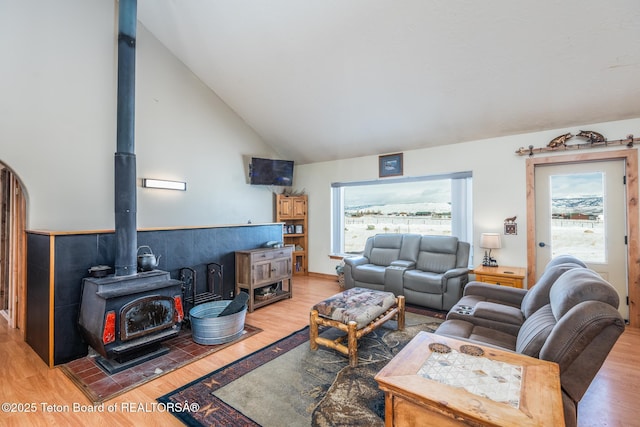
576,329
430,271
505,308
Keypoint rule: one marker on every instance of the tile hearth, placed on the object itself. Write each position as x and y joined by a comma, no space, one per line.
100,386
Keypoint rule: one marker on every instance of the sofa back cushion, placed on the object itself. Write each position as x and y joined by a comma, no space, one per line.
410,247
535,331
437,254
383,249
578,285
565,259
538,295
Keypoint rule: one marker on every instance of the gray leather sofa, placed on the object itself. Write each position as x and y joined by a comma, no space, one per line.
576,329
430,271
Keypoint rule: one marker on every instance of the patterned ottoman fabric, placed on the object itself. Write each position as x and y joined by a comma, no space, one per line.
359,304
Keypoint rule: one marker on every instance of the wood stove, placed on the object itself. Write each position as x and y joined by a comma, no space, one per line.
125,318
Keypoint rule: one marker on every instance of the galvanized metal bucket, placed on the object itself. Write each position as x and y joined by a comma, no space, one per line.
208,329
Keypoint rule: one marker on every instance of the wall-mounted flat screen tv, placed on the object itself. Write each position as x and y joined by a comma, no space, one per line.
271,172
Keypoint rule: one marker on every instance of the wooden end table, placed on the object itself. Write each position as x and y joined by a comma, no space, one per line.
503,276
413,399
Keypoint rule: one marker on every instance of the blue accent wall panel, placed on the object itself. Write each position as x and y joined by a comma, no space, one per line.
75,254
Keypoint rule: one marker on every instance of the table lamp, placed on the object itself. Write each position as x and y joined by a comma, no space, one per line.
490,241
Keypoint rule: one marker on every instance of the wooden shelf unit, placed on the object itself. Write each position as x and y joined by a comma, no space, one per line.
292,211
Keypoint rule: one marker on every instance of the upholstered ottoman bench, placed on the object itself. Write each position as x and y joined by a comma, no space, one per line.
356,311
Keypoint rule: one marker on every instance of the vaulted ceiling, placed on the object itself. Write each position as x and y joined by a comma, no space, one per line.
328,79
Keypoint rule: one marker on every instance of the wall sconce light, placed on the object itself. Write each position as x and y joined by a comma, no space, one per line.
164,184
490,241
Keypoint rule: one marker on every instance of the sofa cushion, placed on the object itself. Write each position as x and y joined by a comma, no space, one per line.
383,249
466,330
437,253
423,281
565,294
493,337
369,273
535,331
440,244
410,247
455,328
383,256
538,295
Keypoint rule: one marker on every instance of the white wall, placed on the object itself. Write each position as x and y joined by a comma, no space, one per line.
58,133
58,125
499,183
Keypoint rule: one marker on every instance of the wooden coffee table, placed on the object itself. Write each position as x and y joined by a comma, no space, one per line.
442,381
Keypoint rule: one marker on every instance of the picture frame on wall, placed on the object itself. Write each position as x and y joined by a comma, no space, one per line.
510,228
390,165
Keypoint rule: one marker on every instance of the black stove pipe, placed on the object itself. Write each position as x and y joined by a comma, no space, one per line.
125,158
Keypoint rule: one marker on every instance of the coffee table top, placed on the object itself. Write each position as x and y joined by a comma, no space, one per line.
475,382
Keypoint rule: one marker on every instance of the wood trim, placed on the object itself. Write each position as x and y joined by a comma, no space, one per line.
13,248
324,276
52,282
21,260
107,231
633,262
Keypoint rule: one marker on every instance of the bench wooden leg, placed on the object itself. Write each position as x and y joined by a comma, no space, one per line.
352,344
400,303
313,329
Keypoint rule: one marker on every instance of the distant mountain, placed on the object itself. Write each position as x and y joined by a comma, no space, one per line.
584,205
406,208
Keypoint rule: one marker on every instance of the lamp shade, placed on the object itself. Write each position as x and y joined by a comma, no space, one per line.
490,241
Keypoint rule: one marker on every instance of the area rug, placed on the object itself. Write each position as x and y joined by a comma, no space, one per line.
100,386
286,383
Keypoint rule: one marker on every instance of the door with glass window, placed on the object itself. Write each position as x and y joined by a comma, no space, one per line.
580,210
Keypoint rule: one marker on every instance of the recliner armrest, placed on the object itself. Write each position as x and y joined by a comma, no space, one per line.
504,294
407,265
455,272
498,313
356,260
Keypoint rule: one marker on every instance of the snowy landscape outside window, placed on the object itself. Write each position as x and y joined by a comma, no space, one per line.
434,205
577,216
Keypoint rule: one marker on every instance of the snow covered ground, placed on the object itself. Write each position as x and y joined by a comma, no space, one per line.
584,239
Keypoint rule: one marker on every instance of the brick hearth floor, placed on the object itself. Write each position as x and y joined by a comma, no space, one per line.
100,386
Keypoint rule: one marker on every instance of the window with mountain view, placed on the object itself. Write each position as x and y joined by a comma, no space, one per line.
437,205
577,215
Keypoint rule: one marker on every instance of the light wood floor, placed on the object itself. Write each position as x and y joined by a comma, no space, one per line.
27,381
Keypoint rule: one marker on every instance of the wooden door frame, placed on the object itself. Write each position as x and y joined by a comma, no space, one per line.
630,156
15,212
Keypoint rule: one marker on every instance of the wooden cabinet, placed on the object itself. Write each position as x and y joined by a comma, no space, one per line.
292,207
292,212
265,274
503,276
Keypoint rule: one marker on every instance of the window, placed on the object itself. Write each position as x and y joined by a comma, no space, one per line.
578,216
439,204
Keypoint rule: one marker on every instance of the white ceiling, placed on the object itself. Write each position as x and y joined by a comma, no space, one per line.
328,79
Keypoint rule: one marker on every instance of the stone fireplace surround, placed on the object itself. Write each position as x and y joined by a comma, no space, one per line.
58,261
